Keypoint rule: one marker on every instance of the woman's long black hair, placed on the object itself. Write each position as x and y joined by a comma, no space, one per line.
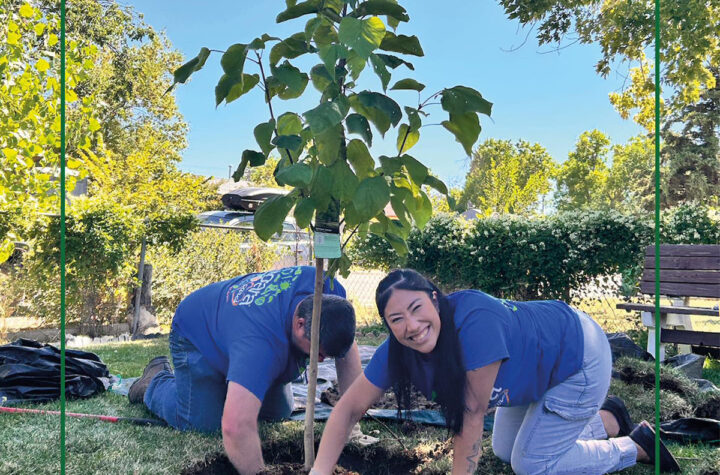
447,359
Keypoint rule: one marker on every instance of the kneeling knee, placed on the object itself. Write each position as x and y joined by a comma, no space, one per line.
502,451
523,465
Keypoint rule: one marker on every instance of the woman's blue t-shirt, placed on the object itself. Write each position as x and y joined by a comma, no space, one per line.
242,325
540,344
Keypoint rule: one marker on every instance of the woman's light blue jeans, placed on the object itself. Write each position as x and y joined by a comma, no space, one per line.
193,397
562,433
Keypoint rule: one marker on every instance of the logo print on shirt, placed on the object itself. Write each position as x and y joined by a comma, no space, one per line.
262,288
499,397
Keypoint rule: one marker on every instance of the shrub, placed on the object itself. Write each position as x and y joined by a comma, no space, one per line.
690,224
207,256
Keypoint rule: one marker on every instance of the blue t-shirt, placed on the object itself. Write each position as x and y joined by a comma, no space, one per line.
242,325
540,344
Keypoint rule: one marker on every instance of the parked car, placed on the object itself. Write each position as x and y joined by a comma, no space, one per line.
221,217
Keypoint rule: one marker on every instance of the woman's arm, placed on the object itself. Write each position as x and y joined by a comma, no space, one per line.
349,409
467,445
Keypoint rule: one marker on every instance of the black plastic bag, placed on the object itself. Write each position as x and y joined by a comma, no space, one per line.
692,429
30,371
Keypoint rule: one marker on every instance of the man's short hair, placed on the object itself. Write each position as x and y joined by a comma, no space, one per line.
337,323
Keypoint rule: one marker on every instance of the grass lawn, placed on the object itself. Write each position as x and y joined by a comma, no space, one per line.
30,444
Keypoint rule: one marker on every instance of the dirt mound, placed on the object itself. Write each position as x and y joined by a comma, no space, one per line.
709,409
636,373
331,396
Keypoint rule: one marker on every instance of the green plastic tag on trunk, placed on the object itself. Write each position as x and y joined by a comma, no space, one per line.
327,245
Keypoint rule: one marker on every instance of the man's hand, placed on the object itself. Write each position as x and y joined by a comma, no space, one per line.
239,429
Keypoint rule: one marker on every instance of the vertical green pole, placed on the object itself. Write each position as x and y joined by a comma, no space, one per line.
62,237
657,237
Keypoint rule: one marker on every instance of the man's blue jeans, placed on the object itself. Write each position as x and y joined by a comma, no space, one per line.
193,397
562,433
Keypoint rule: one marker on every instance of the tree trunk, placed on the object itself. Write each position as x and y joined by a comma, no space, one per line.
312,369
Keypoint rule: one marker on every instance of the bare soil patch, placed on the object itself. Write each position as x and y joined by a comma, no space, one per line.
331,396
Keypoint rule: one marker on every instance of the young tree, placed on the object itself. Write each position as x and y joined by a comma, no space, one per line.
582,177
334,177
507,177
630,186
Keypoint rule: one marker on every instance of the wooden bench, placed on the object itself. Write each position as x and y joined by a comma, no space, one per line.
685,271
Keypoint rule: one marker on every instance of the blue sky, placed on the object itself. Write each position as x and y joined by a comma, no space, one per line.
538,95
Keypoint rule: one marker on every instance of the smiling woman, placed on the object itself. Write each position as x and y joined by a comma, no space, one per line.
544,365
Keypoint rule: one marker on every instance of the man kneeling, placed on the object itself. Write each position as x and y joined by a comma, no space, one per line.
236,345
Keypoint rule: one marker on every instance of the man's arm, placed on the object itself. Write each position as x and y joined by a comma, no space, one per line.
467,445
240,431
348,368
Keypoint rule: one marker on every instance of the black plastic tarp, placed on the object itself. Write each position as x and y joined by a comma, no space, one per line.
30,371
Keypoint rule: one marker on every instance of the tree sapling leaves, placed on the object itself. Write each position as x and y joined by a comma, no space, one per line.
290,142
383,103
326,115
360,159
418,172
291,47
263,134
320,188
462,99
401,44
436,183
231,87
406,138
358,124
381,7
328,143
393,62
371,196
344,180
304,211
408,84
233,59
289,124
255,159
362,36
381,70
320,77
270,215
465,127
297,175
301,9
294,80
181,74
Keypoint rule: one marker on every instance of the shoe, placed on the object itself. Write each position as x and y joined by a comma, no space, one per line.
616,407
644,436
138,388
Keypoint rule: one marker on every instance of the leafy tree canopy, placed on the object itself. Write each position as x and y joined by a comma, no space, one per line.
625,30
582,178
507,177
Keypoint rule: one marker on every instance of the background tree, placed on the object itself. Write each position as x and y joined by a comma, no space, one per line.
335,178
630,186
624,30
507,177
691,152
581,179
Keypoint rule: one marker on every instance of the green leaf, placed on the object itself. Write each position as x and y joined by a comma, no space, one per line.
240,170
326,115
325,33
290,142
320,188
462,99
406,138
255,159
289,124
362,36
330,55
371,196
233,60
263,134
360,158
358,124
328,144
401,44
419,207
413,118
344,180
230,87
393,62
408,84
436,183
290,76
465,127
381,7
304,211
298,174
381,70
390,166
292,47
356,64
397,243
301,9
181,74
418,172
383,103
270,215
396,200
7,247
320,77
259,43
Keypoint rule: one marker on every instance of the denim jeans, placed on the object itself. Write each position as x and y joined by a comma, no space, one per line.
562,433
193,397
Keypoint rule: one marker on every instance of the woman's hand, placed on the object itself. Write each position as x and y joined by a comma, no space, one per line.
349,409
467,445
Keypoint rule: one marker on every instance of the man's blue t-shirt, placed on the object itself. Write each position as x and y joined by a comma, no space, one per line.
242,325
540,344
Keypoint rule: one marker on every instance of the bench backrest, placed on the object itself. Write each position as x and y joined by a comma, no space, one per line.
686,270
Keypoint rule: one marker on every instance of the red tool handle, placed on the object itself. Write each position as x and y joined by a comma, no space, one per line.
132,420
